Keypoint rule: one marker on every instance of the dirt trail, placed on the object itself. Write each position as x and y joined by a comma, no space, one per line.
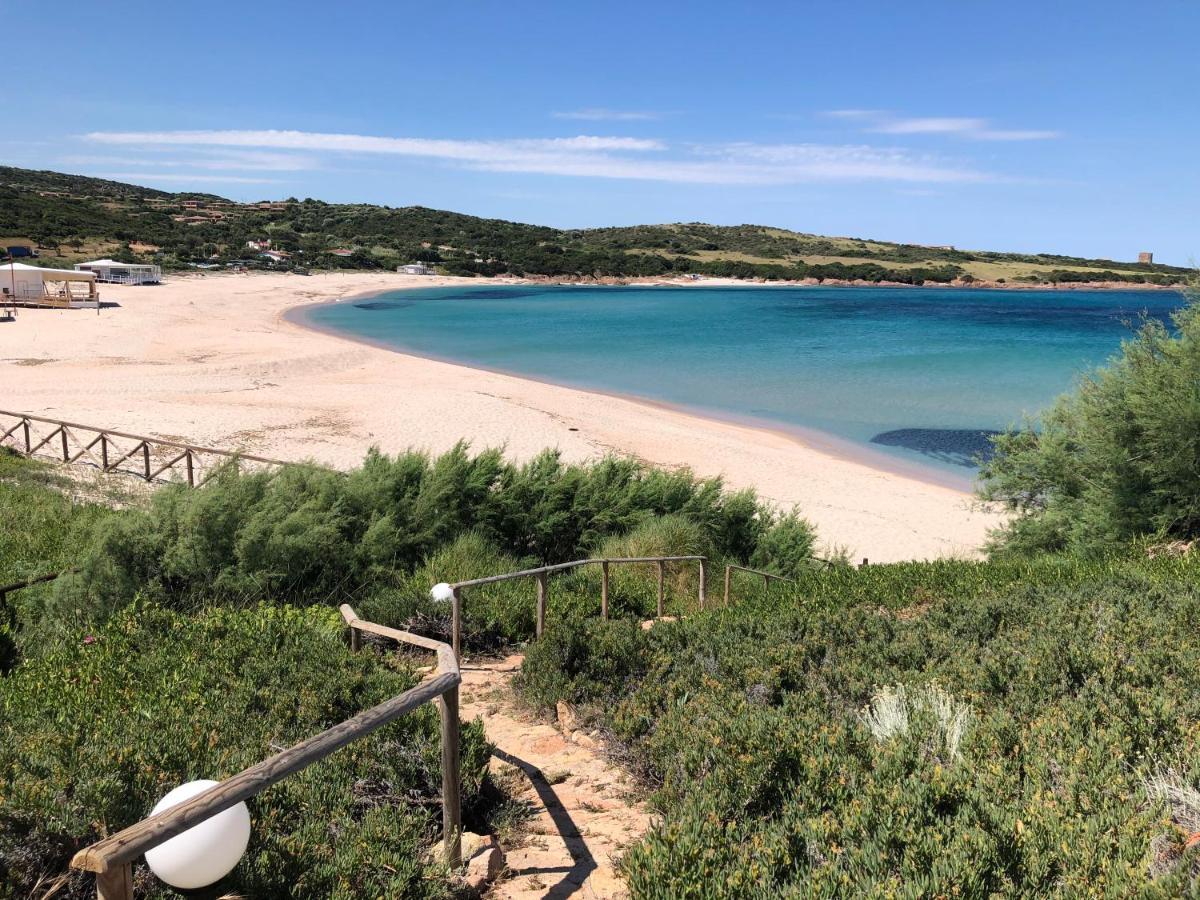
583,814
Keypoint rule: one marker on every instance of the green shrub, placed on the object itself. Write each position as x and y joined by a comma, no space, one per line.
1039,701
42,526
786,548
1114,461
308,535
95,731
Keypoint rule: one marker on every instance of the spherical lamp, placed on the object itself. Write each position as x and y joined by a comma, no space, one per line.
442,593
206,852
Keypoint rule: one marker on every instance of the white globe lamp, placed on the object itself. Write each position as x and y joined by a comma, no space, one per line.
206,852
442,593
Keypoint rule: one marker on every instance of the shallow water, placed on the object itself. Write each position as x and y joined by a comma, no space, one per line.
916,373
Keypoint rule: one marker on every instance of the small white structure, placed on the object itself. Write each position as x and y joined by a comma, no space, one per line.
114,272
36,286
415,269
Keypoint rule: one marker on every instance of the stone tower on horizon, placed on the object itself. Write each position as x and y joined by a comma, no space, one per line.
1146,257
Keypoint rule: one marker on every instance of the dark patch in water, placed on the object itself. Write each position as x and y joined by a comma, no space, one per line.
383,304
496,294
958,446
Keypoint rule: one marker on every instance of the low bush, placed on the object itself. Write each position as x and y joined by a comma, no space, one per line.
95,731
984,730
378,534
1114,461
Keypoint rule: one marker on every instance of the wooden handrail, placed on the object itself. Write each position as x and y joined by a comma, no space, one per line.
541,573
7,589
187,454
574,564
767,577
111,858
139,437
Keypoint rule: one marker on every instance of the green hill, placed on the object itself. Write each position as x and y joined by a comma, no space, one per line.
73,216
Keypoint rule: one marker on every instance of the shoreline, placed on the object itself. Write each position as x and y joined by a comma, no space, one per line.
714,281
216,360
809,438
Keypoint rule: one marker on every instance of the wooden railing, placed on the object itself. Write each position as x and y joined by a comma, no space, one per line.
767,577
6,589
542,575
112,858
147,458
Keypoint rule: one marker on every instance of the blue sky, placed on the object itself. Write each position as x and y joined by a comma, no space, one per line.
1066,127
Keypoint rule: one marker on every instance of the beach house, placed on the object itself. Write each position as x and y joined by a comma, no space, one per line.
27,285
415,269
113,272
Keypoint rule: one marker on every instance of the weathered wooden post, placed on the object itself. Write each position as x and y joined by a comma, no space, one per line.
191,473
355,639
703,581
62,432
456,621
542,590
146,458
604,589
115,884
662,575
728,576
103,452
766,582
451,800
28,445
864,563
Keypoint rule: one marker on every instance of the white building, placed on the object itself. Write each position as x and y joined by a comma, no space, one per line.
415,269
122,273
36,286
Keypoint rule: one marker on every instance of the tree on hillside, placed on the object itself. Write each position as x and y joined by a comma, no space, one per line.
1114,461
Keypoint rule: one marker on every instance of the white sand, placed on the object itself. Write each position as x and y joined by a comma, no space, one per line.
210,360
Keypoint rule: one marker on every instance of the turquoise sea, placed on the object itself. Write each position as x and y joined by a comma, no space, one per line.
919,375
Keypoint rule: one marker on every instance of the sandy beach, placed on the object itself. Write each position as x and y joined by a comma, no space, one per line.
212,360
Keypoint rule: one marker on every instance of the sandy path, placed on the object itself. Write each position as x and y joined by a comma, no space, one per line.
210,359
581,812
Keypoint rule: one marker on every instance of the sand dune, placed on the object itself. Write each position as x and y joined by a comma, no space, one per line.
212,360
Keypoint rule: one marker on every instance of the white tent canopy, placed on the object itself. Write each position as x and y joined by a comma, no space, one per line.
40,286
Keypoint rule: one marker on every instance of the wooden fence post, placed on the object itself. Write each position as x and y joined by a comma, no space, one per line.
191,474
703,581
103,452
728,576
456,621
28,443
146,458
66,452
604,589
662,575
767,582
355,639
451,800
115,884
542,590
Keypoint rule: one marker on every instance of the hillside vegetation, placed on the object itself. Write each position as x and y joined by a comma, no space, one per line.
74,217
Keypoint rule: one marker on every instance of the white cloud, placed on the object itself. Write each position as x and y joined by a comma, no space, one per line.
853,113
595,114
931,126
970,127
594,156
235,161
